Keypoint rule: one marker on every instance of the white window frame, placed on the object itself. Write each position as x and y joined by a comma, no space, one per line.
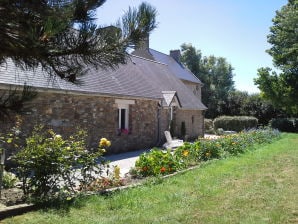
126,108
124,104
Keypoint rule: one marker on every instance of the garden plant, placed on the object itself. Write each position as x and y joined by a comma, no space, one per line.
51,167
157,162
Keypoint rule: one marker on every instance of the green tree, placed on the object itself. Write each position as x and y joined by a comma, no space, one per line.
61,36
216,74
282,89
241,103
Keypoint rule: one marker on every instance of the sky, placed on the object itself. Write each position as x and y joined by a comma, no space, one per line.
234,29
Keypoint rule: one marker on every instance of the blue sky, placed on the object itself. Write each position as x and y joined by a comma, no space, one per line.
234,29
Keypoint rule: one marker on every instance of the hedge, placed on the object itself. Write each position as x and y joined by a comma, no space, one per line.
285,124
235,123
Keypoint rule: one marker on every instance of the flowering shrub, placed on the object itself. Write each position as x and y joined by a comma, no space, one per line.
209,149
233,144
50,166
156,162
188,154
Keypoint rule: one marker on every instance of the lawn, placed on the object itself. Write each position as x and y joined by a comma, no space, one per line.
256,187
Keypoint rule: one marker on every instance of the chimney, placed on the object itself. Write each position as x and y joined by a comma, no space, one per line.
176,55
144,44
142,50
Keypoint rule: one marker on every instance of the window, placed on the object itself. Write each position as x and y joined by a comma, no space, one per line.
123,114
122,118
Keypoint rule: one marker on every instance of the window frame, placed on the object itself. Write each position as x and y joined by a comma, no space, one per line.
123,105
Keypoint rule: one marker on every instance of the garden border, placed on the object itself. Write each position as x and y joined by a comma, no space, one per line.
24,208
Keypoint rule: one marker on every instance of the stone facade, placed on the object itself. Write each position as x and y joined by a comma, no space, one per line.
194,123
64,112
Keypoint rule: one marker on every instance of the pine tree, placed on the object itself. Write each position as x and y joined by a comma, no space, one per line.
62,38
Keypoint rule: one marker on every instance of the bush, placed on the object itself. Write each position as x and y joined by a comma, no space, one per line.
187,155
156,162
208,126
208,149
9,180
47,166
238,123
285,124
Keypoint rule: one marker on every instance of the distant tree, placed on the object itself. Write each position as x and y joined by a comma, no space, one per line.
235,103
61,36
216,74
282,89
241,103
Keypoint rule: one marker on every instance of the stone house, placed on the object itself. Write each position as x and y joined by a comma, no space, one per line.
131,105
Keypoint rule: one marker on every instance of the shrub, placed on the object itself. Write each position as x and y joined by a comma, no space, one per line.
238,123
208,149
233,144
156,162
187,155
47,166
285,124
9,180
208,126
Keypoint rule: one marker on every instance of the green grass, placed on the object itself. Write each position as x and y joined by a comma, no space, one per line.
257,187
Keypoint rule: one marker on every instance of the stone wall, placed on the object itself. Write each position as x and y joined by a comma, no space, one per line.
98,115
64,112
194,122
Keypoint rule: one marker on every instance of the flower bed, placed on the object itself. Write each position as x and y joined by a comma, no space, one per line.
157,162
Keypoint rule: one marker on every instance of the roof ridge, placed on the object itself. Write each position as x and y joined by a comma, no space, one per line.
146,59
182,65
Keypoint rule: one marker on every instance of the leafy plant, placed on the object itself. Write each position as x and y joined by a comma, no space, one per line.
187,155
9,180
156,162
50,166
113,179
209,149
285,124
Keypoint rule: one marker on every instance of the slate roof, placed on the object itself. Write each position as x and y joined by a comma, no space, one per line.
177,68
138,78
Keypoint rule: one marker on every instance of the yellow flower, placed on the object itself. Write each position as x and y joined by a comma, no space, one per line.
208,154
104,142
185,153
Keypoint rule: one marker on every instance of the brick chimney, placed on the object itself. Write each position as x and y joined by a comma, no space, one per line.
176,55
